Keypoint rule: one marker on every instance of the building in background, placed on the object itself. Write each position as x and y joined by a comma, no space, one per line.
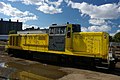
7,26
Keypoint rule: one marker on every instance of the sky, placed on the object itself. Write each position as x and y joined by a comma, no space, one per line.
92,15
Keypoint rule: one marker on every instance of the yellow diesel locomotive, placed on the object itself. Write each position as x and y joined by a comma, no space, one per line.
64,43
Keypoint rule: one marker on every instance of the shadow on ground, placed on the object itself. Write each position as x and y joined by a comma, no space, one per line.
115,71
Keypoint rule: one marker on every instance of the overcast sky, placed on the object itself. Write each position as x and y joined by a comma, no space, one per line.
92,15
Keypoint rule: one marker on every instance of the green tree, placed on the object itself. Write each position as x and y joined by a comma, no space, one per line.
111,39
117,37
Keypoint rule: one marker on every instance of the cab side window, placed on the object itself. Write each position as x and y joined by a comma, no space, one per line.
62,30
76,28
69,32
57,30
52,31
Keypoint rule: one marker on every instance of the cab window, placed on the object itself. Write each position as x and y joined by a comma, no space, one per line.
57,30
69,32
62,30
51,30
76,28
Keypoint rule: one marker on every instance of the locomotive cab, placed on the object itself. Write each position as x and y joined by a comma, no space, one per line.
60,36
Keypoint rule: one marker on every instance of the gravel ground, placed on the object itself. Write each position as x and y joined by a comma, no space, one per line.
80,74
12,67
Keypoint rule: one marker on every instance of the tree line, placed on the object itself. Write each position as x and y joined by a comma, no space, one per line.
115,38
